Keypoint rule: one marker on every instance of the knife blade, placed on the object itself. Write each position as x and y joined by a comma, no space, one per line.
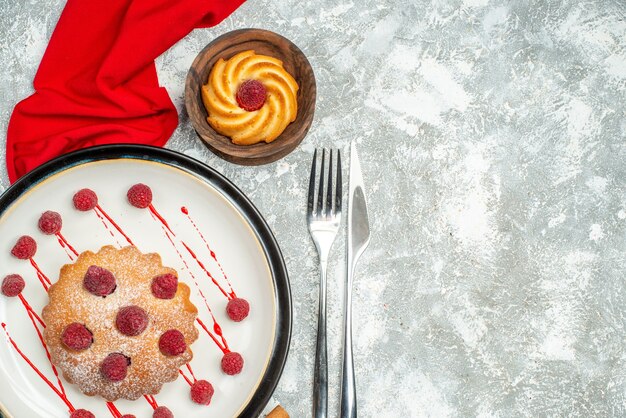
358,236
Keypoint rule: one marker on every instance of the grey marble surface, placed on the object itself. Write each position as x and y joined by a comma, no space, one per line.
493,144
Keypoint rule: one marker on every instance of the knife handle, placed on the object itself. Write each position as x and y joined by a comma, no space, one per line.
320,379
348,382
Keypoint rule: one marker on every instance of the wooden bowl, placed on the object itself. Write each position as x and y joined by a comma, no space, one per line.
266,43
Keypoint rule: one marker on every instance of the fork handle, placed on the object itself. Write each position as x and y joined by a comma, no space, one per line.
320,380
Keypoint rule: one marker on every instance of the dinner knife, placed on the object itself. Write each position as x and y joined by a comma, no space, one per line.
357,240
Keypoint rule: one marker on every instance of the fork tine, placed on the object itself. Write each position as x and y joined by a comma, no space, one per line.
309,209
329,189
338,186
320,194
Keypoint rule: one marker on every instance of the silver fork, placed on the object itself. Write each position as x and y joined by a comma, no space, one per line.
324,217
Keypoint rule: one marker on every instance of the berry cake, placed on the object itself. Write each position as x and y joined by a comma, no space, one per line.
250,98
119,324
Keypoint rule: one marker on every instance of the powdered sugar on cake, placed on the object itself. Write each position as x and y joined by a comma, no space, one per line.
71,302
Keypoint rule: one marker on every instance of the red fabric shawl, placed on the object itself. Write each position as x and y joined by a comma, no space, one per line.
97,82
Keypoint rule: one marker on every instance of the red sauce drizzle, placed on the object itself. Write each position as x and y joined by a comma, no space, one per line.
98,209
107,227
32,315
44,378
216,327
195,226
189,381
191,371
201,265
113,409
224,347
153,403
31,310
160,218
66,246
156,215
45,281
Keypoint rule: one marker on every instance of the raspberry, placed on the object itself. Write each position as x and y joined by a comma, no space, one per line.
237,309
131,320
162,412
50,223
85,199
164,286
251,95
99,281
232,363
172,343
77,337
202,392
115,366
12,285
128,416
82,413
140,196
24,248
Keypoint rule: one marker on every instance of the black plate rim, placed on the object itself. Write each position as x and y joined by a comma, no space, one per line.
282,288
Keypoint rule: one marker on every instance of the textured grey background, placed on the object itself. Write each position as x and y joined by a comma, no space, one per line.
492,138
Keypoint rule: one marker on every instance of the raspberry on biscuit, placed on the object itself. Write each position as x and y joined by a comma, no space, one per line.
251,95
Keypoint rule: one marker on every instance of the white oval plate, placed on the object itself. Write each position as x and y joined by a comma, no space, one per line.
231,225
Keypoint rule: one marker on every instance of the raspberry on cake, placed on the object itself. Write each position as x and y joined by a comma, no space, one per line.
131,320
110,346
50,223
99,281
12,285
172,343
164,286
115,367
77,337
24,248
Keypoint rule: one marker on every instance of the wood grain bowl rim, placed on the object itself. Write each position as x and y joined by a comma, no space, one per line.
261,153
